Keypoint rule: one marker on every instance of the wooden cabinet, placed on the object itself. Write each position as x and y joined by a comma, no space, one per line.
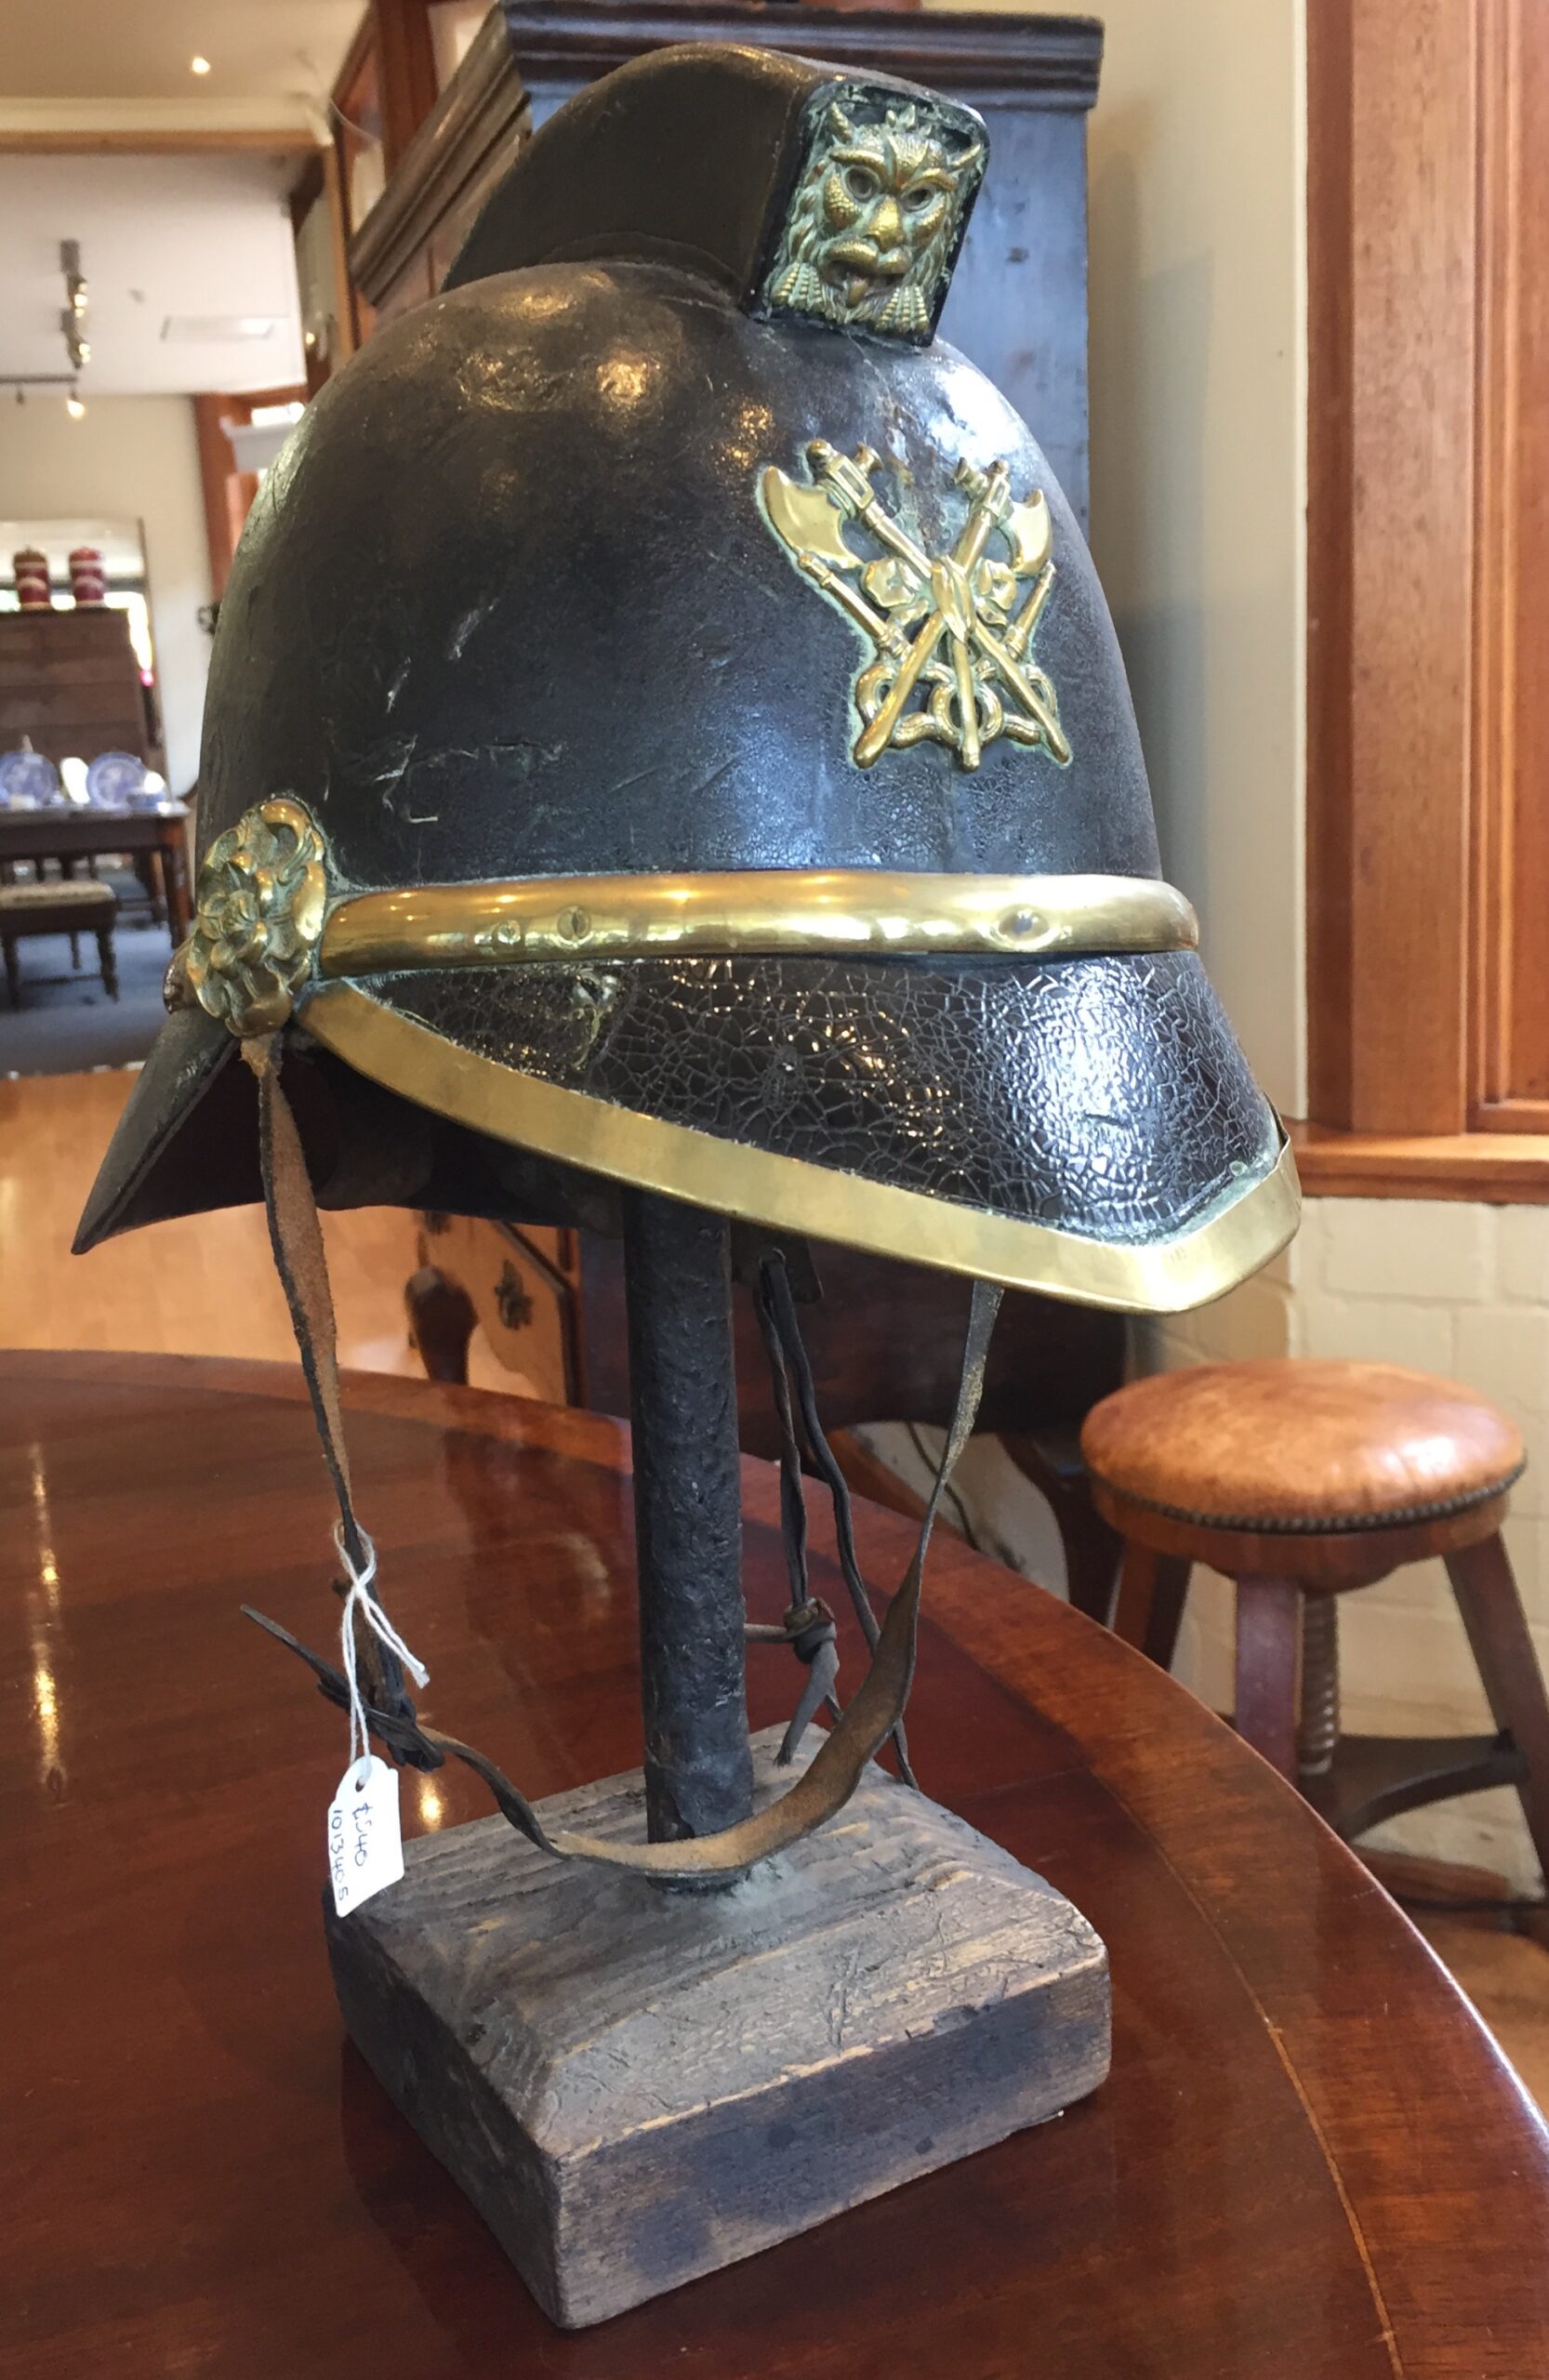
71,681
519,1286
1018,301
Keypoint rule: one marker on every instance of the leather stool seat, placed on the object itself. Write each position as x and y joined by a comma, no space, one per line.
72,907
1302,1481
1301,1445
81,894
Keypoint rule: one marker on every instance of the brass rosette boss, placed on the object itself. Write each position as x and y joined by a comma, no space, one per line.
258,916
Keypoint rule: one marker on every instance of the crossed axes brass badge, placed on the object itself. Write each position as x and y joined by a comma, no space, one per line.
985,684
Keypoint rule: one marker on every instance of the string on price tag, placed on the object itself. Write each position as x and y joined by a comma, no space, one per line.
365,1846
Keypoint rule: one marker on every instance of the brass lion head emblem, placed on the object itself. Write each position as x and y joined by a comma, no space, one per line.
873,228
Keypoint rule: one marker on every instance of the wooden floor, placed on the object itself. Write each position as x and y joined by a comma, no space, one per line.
1507,1978
207,1287
202,1287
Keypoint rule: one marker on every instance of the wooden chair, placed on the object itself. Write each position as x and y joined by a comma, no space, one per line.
73,907
1300,1482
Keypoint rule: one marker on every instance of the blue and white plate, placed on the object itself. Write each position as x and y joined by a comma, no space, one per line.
28,780
114,779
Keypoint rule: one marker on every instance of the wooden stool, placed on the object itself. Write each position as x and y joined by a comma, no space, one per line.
71,907
1299,1481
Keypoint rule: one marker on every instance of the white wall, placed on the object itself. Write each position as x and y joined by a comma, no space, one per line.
129,457
1198,466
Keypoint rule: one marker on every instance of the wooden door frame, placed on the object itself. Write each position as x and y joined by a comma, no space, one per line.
1414,244
1391,257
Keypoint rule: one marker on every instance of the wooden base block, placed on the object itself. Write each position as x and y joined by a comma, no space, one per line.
636,2087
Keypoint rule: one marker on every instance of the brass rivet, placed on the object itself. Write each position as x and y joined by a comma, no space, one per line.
573,925
1019,923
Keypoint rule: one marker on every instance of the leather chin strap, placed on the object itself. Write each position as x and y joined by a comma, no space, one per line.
873,1714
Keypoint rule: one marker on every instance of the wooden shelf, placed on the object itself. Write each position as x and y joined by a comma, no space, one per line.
1488,1168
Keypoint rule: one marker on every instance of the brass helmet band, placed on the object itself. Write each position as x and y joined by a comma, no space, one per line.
266,938
264,926
854,912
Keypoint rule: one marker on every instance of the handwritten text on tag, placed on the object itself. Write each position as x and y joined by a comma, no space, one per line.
366,1848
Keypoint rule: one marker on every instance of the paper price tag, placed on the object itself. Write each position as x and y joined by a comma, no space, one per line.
365,1848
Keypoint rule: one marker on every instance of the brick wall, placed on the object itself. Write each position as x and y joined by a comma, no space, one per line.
1451,1288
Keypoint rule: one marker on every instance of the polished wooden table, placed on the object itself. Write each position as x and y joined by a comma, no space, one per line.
1309,2159
72,833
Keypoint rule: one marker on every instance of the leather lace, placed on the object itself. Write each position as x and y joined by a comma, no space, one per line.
873,1714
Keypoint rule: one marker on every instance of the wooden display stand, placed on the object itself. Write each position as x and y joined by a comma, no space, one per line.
635,2085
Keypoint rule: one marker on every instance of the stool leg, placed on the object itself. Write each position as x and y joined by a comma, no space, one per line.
1092,1554
108,960
1268,1641
1318,1739
1492,1613
13,973
1152,1588
76,952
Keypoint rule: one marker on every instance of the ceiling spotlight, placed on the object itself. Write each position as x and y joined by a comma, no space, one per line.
199,65
73,321
75,407
75,279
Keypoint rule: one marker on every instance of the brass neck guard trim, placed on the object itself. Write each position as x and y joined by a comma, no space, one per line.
816,911
1248,1227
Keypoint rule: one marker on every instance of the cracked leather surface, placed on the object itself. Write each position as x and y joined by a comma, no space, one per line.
1105,1095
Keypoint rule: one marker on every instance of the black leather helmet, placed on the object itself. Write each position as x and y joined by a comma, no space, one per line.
665,727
